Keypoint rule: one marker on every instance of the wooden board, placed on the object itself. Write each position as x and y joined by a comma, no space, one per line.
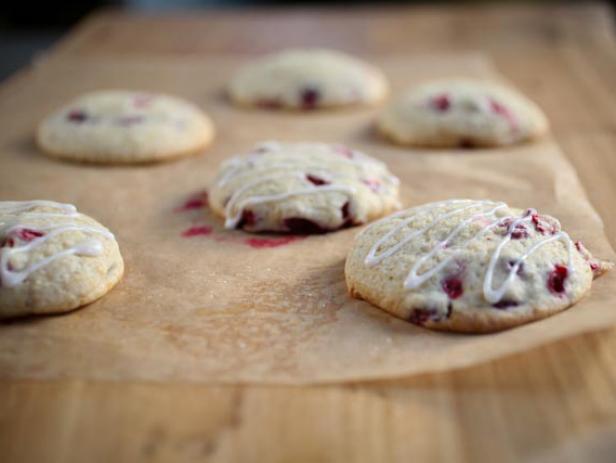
556,403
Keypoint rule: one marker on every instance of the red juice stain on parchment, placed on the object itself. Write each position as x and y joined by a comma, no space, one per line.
198,230
198,200
260,243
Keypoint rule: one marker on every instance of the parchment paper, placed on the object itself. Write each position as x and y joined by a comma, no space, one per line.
213,308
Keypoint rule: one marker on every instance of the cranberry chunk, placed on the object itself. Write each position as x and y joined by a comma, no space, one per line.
345,210
503,111
27,234
519,231
556,279
441,102
318,181
421,316
543,226
7,243
505,304
248,219
347,217
302,226
453,287
77,116
310,97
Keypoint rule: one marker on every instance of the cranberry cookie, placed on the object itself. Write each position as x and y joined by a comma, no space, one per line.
307,79
52,258
469,266
302,188
118,126
462,113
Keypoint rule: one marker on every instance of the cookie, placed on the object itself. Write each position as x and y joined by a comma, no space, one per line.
122,127
462,113
307,79
469,266
302,188
53,259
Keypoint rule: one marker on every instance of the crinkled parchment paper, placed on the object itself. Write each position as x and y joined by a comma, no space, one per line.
213,307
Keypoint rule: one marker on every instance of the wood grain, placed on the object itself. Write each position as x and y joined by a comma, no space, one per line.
555,403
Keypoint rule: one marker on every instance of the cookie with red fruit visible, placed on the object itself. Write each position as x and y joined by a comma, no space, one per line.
124,127
307,79
53,259
462,113
469,266
302,188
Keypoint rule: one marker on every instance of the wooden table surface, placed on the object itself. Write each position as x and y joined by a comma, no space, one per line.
555,403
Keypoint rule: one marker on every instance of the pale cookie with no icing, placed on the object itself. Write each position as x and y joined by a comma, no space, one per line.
53,259
307,79
469,266
462,113
302,188
124,127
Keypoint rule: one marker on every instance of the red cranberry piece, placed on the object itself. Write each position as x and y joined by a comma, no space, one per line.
441,102
348,219
505,304
77,116
310,97
543,226
27,234
316,180
453,287
594,266
302,226
7,243
248,219
503,111
421,316
520,231
345,210
556,279
498,108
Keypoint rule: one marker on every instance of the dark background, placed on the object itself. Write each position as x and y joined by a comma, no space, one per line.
28,28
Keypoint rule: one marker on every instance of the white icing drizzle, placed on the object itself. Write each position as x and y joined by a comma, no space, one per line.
415,279
235,170
11,215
